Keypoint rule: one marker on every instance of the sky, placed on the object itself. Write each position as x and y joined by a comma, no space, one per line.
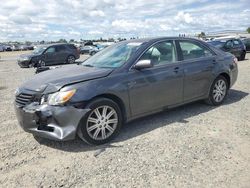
32,20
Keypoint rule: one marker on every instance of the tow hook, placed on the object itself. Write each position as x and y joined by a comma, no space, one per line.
43,118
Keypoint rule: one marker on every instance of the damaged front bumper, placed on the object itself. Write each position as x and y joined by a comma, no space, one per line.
52,122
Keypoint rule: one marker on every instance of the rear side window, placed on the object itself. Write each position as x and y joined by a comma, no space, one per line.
73,47
192,50
161,53
60,48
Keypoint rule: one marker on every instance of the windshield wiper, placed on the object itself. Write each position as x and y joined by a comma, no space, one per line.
88,65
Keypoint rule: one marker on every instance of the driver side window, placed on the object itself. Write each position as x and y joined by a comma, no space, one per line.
161,53
51,50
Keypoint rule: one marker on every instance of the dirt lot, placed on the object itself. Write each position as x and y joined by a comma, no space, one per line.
191,146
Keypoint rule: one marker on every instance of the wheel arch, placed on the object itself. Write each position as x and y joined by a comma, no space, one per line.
117,100
70,55
227,77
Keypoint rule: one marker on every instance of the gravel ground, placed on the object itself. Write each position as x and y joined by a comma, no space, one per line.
191,146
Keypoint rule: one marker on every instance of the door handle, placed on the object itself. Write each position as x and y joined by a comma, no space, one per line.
176,69
131,84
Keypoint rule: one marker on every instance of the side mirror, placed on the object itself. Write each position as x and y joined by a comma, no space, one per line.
143,64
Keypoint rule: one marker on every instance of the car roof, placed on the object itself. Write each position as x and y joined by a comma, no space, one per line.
54,44
156,39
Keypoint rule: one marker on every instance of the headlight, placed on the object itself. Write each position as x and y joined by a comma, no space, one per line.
25,58
58,98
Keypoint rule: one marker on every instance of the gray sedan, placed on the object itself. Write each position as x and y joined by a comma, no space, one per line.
123,82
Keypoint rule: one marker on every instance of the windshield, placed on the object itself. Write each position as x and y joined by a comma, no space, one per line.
39,50
113,56
217,43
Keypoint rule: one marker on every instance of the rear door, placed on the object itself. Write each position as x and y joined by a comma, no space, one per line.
159,86
237,47
61,54
198,63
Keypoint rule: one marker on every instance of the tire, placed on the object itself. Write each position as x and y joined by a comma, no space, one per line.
242,56
97,131
218,91
42,63
92,53
31,65
71,59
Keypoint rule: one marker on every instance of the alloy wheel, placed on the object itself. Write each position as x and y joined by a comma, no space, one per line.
102,122
71,59
42,63
219,90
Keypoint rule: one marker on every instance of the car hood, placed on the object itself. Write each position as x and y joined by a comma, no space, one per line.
53,80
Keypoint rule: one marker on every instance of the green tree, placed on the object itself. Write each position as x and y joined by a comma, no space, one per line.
248,29
62,41
202,35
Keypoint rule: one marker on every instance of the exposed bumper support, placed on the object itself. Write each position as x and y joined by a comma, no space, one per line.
52,122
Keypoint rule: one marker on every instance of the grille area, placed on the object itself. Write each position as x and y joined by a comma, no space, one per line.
23,99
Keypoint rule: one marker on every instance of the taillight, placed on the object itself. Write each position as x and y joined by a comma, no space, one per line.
235,60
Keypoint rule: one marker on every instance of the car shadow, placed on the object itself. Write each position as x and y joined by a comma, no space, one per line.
145,125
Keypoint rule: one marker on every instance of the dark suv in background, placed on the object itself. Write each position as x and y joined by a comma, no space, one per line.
246,41
47,55
234,46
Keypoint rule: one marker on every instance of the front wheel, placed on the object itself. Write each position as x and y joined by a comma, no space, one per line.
71,59
41,63
31,65
218,91
92,53
102,123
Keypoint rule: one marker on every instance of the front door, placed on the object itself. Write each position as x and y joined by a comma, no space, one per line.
50,56
159,86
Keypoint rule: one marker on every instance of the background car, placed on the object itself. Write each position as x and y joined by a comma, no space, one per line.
47,55
1,48
234,46
8,48
16,47
246,41
87,49
93,49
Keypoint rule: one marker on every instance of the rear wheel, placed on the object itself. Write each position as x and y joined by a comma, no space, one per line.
102,123
218,91
71,59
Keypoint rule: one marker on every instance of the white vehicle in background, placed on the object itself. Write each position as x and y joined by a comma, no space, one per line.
2,48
